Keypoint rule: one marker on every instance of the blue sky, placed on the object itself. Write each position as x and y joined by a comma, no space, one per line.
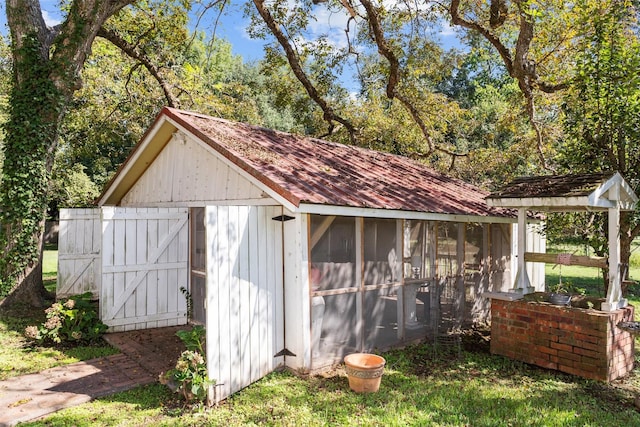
232,27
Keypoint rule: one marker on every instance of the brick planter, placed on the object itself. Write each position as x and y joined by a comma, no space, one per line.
577,341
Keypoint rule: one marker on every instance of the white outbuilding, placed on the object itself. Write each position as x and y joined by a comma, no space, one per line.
292,251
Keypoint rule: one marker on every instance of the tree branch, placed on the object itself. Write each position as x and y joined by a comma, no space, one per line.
520,67
294,62
375,26
75,37
135,53
457,19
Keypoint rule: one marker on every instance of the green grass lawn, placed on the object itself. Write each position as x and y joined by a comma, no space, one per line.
50,267
418,388
588,279
20,356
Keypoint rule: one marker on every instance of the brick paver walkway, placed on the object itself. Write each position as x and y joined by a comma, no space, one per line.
145,354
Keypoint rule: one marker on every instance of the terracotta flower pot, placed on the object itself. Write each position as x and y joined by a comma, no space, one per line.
364,371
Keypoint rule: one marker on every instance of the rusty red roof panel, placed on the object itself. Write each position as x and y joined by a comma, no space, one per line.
552,186
308,170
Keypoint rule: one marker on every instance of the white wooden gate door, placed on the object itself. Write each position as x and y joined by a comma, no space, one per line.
245,325
79,244
144,265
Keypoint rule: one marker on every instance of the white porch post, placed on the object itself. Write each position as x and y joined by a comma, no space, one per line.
522,284
614,295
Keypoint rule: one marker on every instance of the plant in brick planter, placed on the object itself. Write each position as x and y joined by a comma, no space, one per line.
562,292
559,294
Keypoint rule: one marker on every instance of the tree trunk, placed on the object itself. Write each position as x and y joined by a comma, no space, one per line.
36,108
47,64
31,290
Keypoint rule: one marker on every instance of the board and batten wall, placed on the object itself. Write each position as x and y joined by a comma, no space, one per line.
79,249
188,172
245,314
145,262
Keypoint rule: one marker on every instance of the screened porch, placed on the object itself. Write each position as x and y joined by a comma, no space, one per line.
376,283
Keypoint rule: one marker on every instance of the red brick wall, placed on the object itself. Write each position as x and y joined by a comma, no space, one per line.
577,341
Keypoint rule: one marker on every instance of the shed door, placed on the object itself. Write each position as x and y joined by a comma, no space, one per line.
79,244
245,325
144,266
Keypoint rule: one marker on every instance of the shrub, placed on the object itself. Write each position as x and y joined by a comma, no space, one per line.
190,377
193,339
71,320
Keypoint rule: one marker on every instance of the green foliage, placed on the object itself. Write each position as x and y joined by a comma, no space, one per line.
31,132
579,228
194,338
71,320
602,111
5,89
603,105
190,376
189,298
107,120
72,188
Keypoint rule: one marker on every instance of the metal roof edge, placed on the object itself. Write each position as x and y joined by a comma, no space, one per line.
309,208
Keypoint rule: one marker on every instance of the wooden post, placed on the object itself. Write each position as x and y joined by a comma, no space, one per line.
614,294
522,285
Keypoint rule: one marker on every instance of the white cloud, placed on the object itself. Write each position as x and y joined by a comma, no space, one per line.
446,29
330,23
51,19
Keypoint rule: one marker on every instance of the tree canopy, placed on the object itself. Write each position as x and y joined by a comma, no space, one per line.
534,86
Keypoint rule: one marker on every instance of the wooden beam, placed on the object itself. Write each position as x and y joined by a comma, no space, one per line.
584,261
317,235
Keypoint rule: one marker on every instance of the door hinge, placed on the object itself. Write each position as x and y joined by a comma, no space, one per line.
284,352
283,218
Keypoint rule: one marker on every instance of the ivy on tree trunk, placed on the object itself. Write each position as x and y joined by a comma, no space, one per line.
47,63
35,104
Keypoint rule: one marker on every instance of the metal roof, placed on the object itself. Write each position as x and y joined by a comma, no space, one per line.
552,186
566,192
305,170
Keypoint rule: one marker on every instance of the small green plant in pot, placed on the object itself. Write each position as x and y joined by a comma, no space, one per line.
560,293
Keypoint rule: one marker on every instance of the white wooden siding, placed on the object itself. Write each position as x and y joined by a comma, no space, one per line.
502,256
144,264
297,290
79,244
185,171
536,242
244,295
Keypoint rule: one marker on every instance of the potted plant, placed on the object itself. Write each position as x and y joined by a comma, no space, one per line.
559,294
